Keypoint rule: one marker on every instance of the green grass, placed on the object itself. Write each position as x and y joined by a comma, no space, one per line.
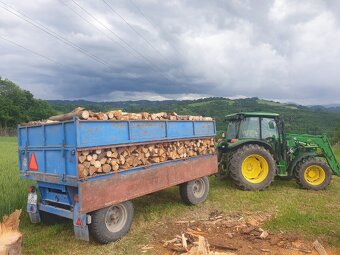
311,214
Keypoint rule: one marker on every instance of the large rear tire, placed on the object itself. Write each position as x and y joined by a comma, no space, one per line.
195,192
111,223
252,167
313,174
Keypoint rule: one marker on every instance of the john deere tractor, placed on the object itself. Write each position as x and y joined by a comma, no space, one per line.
256,148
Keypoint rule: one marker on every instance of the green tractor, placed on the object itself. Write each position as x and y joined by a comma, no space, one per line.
256,148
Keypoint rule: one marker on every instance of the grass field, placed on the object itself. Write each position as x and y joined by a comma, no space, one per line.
311,214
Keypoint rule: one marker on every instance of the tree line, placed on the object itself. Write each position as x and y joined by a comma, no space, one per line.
17,106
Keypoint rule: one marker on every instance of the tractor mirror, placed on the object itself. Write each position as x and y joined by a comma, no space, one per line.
271,125
223,135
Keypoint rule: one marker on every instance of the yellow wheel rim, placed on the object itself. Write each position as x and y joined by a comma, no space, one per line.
255,168
314,175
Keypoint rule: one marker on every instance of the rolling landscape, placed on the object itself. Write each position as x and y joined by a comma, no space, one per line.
169,127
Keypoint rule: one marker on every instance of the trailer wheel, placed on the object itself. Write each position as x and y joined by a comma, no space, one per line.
111,223
194,192
313,174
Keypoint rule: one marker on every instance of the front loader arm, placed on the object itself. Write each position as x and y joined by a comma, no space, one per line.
322,143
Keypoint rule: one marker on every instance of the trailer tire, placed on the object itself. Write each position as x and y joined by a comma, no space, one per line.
50,219
111,223
195,191
313,174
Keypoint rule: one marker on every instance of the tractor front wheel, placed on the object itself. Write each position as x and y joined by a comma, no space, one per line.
313,174
252,167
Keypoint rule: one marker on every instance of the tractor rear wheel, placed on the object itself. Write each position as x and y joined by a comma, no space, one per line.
252,167
313,174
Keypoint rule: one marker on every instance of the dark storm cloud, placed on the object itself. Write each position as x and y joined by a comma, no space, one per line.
284,50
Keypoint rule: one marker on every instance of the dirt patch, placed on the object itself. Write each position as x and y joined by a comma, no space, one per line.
239,233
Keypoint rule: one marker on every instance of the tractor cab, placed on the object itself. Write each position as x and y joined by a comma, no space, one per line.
265,129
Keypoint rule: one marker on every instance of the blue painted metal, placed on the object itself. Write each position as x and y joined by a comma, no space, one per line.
103,133
55,193
56,210
81,229
55,144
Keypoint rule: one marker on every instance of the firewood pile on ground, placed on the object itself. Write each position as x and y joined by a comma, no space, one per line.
238,234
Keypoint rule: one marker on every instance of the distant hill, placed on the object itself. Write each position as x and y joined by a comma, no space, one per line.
299,119
329,108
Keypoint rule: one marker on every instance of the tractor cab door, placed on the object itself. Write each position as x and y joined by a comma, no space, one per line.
270,134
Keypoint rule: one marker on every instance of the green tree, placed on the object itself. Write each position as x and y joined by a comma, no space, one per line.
17,105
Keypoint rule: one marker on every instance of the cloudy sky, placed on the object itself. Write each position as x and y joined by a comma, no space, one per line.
147,49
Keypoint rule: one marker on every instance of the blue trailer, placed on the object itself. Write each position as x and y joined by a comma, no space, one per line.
48,154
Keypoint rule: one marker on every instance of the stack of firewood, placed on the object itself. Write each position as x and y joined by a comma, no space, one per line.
121,158
83,114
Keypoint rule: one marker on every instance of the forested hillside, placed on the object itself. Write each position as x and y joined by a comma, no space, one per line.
17,106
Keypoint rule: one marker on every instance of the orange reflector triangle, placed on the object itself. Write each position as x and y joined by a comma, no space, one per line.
33,163
78,222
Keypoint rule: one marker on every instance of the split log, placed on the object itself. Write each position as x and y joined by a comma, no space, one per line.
106,168
319,248
125,157
10,237
82,159
97,164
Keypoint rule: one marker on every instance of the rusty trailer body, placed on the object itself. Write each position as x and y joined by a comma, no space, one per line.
48,154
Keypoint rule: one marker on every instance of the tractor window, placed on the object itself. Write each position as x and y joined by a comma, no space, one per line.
232,130
269,128
250,128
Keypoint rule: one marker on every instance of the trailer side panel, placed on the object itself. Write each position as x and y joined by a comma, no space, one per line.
103,192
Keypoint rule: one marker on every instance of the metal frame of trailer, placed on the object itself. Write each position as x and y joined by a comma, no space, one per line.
56,147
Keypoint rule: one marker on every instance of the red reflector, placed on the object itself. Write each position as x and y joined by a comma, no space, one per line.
75,198
234,140
31,189
78,222
33,166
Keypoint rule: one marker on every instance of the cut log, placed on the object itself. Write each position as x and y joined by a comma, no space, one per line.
89,157
87,164
97,164
78,112
115,166
103,161
85,153
113,159
10,237
92,170
82,159
319,248
106,168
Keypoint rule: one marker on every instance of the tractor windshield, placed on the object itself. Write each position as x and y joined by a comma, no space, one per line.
250,128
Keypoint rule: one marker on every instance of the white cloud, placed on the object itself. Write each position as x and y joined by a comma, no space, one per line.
283,49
